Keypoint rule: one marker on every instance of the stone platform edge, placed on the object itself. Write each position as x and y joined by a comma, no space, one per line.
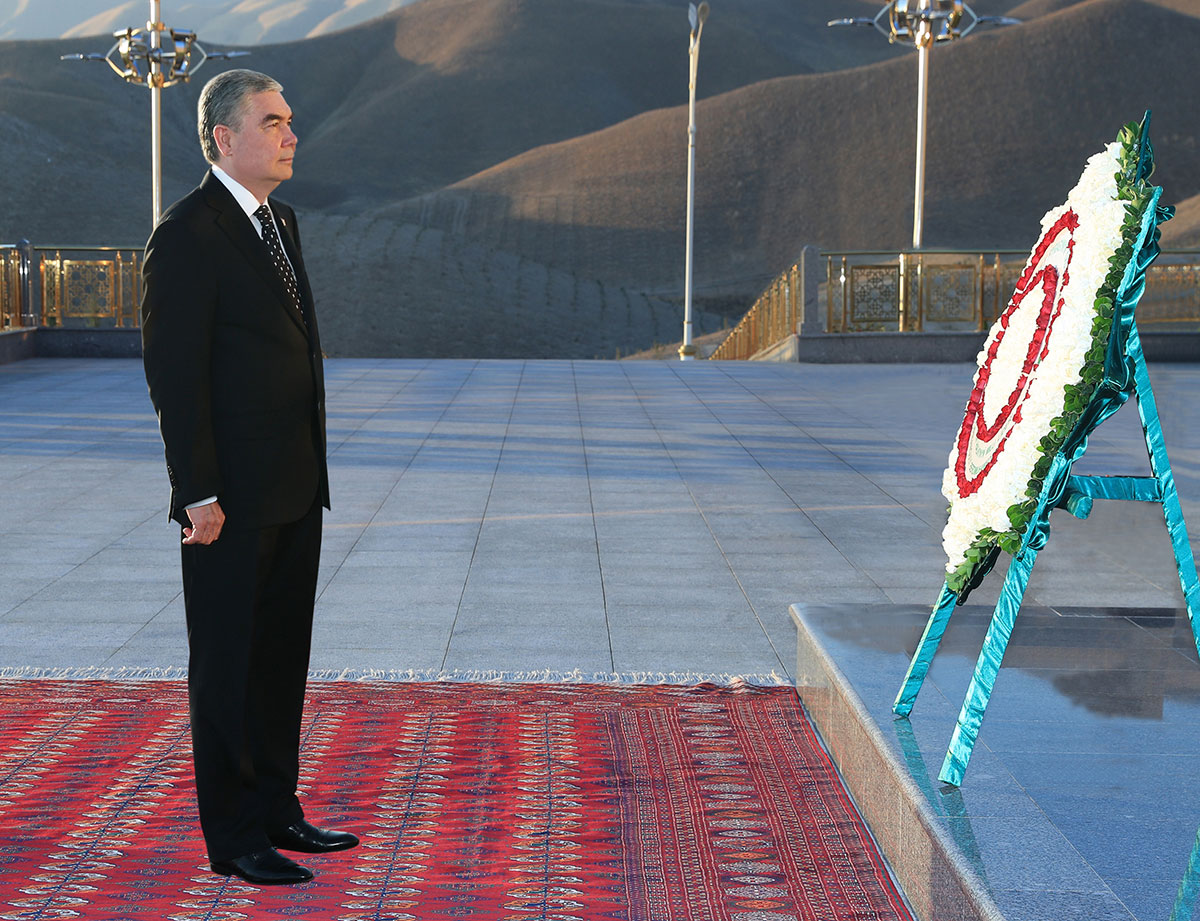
68,342
937,879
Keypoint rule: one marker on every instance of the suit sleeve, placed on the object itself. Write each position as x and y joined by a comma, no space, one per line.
179,298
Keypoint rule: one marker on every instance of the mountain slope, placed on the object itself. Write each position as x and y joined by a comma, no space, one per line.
403,105
827,158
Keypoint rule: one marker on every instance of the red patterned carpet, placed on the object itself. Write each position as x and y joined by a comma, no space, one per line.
490,801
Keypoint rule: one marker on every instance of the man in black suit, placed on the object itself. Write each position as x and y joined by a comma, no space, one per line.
233,363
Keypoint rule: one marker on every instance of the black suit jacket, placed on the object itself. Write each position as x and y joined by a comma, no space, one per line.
234,373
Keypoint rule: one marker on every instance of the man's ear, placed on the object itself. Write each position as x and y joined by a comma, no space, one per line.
223,135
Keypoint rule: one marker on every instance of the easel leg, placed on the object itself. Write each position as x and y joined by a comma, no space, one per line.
1185,562
962,742
1189,887
918,668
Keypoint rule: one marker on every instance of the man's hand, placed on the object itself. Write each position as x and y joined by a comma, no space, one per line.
207,521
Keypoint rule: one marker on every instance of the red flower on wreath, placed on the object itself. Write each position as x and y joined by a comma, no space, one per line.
980,441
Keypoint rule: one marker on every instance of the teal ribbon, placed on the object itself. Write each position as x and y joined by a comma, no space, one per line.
1185,563
927,647
987,666
1189,887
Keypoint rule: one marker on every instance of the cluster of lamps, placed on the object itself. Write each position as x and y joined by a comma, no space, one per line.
155,57
923,23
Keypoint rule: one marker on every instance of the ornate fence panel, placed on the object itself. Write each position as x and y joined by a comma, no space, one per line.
90,287
933,290
1172,296
949,294
872,295
10,288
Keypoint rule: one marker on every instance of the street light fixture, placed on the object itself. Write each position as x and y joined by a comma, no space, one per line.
923,22
144,58
696,16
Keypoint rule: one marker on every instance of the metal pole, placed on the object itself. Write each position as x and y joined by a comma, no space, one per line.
924,41
687,351
915,19
25,275
154,27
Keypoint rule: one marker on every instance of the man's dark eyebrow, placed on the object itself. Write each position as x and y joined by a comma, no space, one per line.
274,117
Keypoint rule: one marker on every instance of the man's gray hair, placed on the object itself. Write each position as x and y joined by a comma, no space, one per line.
223,102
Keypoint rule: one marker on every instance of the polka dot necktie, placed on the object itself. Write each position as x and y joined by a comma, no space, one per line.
282,266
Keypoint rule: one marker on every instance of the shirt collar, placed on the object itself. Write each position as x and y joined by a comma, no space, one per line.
243,196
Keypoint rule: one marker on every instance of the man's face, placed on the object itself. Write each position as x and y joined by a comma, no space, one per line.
258,153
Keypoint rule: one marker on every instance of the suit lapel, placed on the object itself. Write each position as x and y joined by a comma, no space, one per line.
237,227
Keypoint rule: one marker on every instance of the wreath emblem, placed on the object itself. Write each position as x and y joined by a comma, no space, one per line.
984,434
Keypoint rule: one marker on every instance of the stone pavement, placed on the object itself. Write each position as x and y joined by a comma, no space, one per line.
524,516
571,519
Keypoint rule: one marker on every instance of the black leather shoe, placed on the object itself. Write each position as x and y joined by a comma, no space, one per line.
309,839
265,868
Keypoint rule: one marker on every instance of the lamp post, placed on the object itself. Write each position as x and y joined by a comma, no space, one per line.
923,22
696,16
146,61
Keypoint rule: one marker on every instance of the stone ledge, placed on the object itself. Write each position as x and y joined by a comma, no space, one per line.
19,344
937,880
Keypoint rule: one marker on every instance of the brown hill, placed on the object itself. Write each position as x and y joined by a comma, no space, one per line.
417,291
827,158
1183,232
427,95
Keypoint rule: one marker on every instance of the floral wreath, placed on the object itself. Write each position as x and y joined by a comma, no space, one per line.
1043,360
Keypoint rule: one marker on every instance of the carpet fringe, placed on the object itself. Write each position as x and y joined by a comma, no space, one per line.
99,673
547,676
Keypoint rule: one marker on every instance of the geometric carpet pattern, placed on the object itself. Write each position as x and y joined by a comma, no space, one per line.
516,802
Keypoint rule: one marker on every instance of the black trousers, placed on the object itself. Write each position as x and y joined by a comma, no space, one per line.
249,598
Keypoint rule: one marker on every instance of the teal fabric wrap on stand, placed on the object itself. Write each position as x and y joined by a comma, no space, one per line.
987,667
1189,887
918,668
1185,562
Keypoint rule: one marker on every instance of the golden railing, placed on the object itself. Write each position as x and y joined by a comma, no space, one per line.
90,287
773,317
70,286
870,291
909,292
958,290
